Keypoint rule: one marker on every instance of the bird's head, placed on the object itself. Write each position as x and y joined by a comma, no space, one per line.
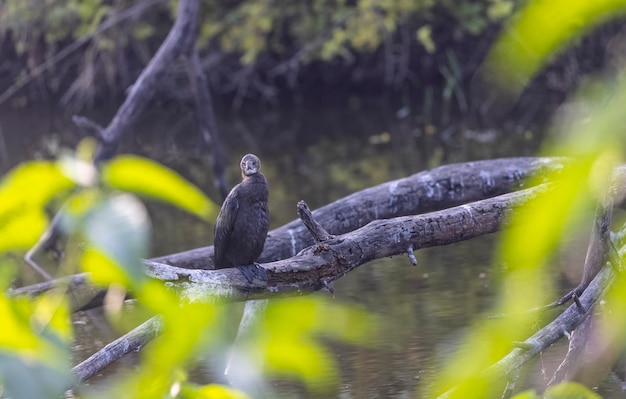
250,164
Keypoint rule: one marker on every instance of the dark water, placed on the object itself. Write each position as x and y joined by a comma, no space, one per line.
319,153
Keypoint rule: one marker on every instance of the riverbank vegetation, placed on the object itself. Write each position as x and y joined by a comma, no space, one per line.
84,53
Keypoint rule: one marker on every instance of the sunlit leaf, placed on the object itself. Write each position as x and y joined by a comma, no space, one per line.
526,395
311,315
304,359
538,32
500,9
287,342
186,330
15,332
31,185
547,217
20,230
570,390
23,194
102,269
424,36
34,346
212,391
145,177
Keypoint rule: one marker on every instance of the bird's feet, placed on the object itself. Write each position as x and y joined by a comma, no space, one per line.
255,274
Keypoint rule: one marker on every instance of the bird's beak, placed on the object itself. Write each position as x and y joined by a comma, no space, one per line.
249,168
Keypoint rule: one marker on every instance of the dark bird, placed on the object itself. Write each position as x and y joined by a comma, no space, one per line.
243,222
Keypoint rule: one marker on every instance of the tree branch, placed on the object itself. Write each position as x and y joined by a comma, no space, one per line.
332,259
438,188
180,40
316,229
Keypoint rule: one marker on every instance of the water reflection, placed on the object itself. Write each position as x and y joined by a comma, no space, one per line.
319,154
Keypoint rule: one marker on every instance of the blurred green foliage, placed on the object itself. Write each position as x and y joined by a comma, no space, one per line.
538,32
567,390
22,216
114,230
591,133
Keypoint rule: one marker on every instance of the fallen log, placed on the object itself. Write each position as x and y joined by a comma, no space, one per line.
427,191
422,192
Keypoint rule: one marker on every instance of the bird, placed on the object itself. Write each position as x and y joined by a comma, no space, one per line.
243,222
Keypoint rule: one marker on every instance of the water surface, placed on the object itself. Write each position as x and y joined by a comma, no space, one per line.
319,154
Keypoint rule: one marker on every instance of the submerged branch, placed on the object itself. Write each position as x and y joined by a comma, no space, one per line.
130,342
566,322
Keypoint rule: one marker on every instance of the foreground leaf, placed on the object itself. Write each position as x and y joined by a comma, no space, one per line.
570,390
34,347
117,231
32,185
538,32
148,178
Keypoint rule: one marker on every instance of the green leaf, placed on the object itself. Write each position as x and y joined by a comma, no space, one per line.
211,391
500,9
571,390
287,343
424,36
537,32
119,229
148,178
21,230
526,395
23,378
34,346
33,185
23,194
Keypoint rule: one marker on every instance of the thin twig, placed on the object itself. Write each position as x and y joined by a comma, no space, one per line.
316,229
